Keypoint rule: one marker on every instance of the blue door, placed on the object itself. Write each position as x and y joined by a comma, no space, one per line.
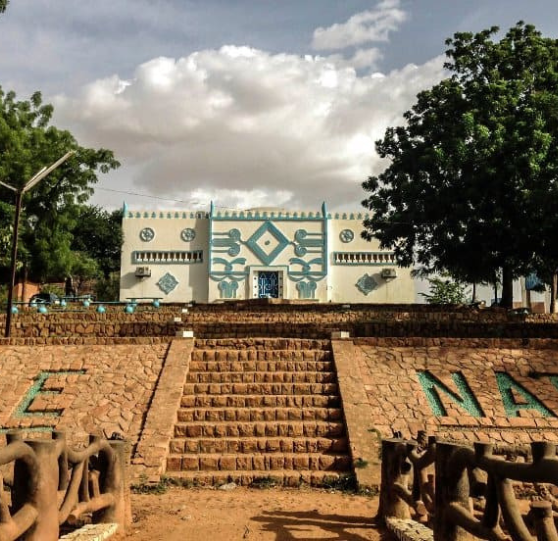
268,285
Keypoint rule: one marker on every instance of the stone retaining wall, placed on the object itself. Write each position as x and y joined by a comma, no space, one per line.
502,391
287,320
81,388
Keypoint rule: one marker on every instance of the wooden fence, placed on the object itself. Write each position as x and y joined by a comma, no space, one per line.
47,484
448,492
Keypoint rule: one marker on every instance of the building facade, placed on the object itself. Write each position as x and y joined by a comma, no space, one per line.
184,256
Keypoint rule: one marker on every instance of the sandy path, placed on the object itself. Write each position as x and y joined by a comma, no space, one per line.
253,514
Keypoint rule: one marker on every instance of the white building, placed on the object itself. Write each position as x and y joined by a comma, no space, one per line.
182,256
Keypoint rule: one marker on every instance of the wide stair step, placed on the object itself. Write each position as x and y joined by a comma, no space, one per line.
257,445
261,377
261,366
312,429
259,461
215,415
260,401
259,356
267,344
285,478
260,388
260,410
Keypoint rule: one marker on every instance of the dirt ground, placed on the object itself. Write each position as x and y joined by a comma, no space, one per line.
270,514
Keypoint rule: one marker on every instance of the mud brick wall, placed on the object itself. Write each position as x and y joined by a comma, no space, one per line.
80,388
505,391
279,319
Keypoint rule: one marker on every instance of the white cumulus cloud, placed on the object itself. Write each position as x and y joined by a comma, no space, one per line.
367,26
244,127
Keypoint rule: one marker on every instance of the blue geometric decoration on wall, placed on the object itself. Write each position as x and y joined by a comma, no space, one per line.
366,284
306,242
227,270
228,289
228,242
147,234
167,283
306,290
267,243
188,234
347,235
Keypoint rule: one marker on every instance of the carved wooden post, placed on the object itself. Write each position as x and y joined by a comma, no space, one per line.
452,486
394,470
44,497
116,482
544,521
59,436
19,491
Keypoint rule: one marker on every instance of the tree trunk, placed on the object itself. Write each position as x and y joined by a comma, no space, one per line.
553,288
474,294
507,287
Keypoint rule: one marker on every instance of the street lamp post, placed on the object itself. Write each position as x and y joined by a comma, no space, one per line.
19,197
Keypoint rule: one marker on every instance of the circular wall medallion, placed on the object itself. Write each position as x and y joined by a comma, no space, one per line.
346,235
187,234
147,234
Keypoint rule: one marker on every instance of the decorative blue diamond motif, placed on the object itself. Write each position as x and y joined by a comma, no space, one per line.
366,284
167,283
273,241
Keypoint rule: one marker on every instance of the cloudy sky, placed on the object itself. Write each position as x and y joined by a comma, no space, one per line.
244,102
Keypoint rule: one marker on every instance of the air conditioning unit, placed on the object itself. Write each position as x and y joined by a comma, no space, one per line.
143,272
389,274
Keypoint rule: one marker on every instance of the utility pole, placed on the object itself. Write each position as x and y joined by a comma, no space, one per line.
18,201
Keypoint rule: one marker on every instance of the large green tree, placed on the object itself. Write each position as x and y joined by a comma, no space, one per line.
471,185
52,208
98,234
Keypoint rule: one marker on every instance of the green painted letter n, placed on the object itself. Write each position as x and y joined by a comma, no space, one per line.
432,386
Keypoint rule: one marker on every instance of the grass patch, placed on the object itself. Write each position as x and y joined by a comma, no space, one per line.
343,483
143,486
348,484
360,463
264,482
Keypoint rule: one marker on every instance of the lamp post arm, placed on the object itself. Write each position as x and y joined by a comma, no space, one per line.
19,195
8,186
45,171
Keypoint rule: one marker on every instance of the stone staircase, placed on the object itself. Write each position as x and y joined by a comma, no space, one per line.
258,411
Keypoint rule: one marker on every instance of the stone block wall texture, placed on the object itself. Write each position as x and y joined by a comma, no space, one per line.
80,388
504,391
284,319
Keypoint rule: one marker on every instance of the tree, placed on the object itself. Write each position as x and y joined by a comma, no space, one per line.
83,268
6,230
446,291
98,233
27,143
477,156
3,5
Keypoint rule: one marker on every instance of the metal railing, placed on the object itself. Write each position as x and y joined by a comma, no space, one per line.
51,485
464,493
